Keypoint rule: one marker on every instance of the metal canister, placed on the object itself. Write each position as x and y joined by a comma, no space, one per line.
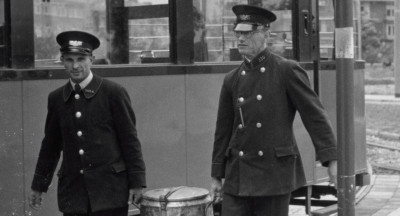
176,201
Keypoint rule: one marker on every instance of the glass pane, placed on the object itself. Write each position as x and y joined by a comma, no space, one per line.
281,41
2,38
213,22
327,29
130,31
149,40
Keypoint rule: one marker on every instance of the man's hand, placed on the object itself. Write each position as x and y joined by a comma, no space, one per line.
332,172
216,190
35,200
135,196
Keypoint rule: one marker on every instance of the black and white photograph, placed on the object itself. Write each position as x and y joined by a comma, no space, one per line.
199,108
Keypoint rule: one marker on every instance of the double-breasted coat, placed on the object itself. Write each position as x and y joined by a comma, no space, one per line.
96,133
255,149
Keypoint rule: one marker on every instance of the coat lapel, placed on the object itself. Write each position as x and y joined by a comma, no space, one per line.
89,91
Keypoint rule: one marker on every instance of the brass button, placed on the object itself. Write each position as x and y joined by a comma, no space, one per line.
258,125
79,133
78,114
240,126
262,69
243,73
259,97
81,151
241,153
241,99
81,171
77,96
260,153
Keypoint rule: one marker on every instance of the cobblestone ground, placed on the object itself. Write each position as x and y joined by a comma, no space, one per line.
383,117
380,116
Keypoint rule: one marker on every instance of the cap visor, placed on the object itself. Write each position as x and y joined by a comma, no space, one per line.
76,51
244,27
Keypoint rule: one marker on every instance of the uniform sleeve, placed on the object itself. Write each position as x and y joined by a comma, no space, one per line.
125,123
312,112
50,150
223,132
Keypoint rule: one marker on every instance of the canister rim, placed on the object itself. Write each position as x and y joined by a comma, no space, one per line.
177,194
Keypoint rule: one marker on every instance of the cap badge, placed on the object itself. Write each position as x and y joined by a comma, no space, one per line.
75,43
244,17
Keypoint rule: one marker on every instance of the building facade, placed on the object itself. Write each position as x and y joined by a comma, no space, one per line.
382,13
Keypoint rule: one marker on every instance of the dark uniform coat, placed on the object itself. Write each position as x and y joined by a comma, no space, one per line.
95,130
255,148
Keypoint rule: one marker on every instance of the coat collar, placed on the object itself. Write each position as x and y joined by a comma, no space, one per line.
258,60
89,91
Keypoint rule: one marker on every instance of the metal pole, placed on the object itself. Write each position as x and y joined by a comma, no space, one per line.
344,52
358,29
396,58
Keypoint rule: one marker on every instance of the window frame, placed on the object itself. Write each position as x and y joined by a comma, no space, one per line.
21,44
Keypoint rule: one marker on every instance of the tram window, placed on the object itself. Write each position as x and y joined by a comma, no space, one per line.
327,29
130,31
213,22
149,38
3,46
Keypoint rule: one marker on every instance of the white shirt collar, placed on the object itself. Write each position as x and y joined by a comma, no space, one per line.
85,82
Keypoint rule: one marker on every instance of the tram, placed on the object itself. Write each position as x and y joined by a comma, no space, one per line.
171,56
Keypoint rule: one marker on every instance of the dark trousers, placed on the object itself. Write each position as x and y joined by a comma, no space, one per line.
112,212
255,206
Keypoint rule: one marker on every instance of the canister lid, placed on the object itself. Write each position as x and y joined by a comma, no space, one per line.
175,194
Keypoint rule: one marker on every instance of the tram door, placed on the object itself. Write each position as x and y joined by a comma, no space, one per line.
306,36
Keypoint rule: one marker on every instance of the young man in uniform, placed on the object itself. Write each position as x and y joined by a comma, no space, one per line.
91,121
255,151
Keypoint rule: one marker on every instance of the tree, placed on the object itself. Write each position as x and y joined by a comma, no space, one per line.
371,42
375,47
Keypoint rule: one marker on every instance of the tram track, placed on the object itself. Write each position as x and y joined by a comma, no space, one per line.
383,146
384,166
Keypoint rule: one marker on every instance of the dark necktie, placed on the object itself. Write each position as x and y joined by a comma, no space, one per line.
78,88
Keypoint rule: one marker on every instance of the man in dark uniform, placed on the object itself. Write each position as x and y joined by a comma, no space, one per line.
91,121
255,151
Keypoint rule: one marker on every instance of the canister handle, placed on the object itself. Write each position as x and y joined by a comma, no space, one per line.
210,204
164,200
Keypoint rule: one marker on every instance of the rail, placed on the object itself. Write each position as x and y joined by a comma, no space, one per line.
381,166
374,144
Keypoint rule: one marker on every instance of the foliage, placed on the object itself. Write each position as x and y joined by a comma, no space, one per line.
375,48
46,47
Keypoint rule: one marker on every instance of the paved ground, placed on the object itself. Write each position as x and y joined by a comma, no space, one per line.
381,198
382,98
299,210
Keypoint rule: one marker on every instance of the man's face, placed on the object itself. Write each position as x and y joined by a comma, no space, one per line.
77,65
251,43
